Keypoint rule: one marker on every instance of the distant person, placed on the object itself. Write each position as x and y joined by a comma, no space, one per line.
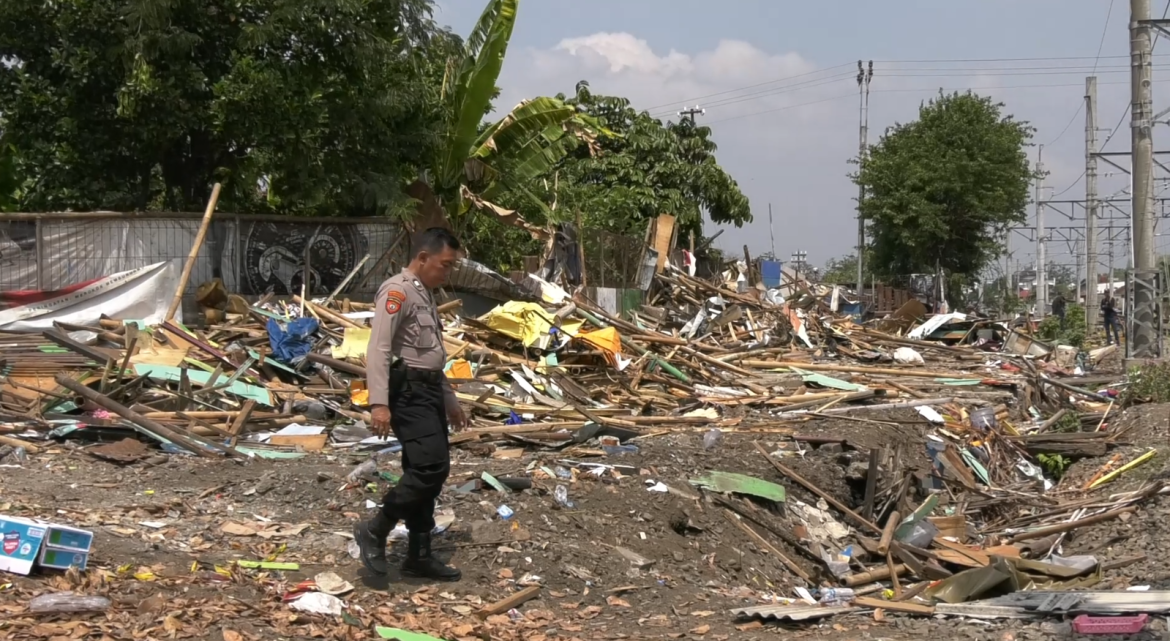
1109,316
1058,308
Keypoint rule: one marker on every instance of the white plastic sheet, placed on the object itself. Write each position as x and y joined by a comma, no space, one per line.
140,294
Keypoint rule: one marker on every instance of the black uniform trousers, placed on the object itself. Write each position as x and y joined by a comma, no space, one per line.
419,421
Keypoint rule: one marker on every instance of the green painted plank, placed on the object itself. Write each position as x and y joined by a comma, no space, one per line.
717,481
828,381
394,634
173,374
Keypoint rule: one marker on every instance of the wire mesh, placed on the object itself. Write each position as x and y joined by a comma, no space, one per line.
252,255
612,260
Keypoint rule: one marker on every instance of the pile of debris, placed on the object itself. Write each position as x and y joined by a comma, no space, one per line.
560,390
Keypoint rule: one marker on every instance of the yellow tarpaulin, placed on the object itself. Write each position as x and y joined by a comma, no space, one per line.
526,322
460,368
608,341
357,339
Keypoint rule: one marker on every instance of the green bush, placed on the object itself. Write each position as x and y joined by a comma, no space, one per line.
1074,331
1149,383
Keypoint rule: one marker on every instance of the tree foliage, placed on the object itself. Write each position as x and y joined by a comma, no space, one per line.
474,163
295,105
638,168
940,191
645,169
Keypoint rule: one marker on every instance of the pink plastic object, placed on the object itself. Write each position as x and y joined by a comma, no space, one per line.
1086,624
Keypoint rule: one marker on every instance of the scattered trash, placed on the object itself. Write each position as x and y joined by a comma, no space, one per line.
712,439
318,603
561,495
331,583
68,603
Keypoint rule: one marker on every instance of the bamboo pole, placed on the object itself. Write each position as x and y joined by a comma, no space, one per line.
194,254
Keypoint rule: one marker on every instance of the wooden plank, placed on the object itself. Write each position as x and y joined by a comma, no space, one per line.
504,605
308,442
96,355
880,574
788,563
871,483
663,232
888,532
970,556
894,606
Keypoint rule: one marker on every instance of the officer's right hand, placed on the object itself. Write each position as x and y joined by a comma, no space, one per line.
380,421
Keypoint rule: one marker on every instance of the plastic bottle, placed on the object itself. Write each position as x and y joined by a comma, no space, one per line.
561,494
712,438
68,602
837,596
10,454
369,468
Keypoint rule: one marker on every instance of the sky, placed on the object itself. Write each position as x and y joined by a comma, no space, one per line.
777,79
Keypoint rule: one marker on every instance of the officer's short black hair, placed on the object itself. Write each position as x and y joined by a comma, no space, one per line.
434,240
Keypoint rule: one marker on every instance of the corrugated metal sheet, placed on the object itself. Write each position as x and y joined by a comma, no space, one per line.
1090,602
791,612
977,611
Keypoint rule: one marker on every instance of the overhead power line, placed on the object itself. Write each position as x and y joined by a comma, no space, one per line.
914,90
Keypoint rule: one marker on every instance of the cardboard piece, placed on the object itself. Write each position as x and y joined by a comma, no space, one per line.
26,543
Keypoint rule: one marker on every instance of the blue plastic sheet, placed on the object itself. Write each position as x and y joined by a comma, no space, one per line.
292,342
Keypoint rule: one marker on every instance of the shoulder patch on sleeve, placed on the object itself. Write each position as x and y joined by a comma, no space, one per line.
394,301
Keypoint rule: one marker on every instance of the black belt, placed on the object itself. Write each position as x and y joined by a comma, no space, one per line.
432,376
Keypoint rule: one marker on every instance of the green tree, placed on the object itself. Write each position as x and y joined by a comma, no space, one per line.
9,177
295,105
840,270
643,168
647,169
940,191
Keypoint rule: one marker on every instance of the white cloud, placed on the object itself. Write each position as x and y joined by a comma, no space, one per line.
786,126
621,52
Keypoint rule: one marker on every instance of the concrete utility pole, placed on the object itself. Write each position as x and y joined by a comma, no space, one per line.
1091,202
863,78
1041,293
772,231
690,113
798,261
1142,341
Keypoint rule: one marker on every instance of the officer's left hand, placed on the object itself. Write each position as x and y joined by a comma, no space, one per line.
456,417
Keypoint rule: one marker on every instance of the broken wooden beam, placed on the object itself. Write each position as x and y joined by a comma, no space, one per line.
147,425
60,338
894,606
504,605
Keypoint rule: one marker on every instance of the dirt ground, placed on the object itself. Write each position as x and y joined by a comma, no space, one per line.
163,525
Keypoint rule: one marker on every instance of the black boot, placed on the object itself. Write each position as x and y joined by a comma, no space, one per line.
420,563
371,539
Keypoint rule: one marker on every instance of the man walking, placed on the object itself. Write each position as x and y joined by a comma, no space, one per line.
1109,316
1058,308
412,397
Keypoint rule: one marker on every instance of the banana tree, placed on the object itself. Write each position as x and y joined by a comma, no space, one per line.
474,162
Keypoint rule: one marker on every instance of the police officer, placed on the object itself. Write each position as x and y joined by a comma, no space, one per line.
412,397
